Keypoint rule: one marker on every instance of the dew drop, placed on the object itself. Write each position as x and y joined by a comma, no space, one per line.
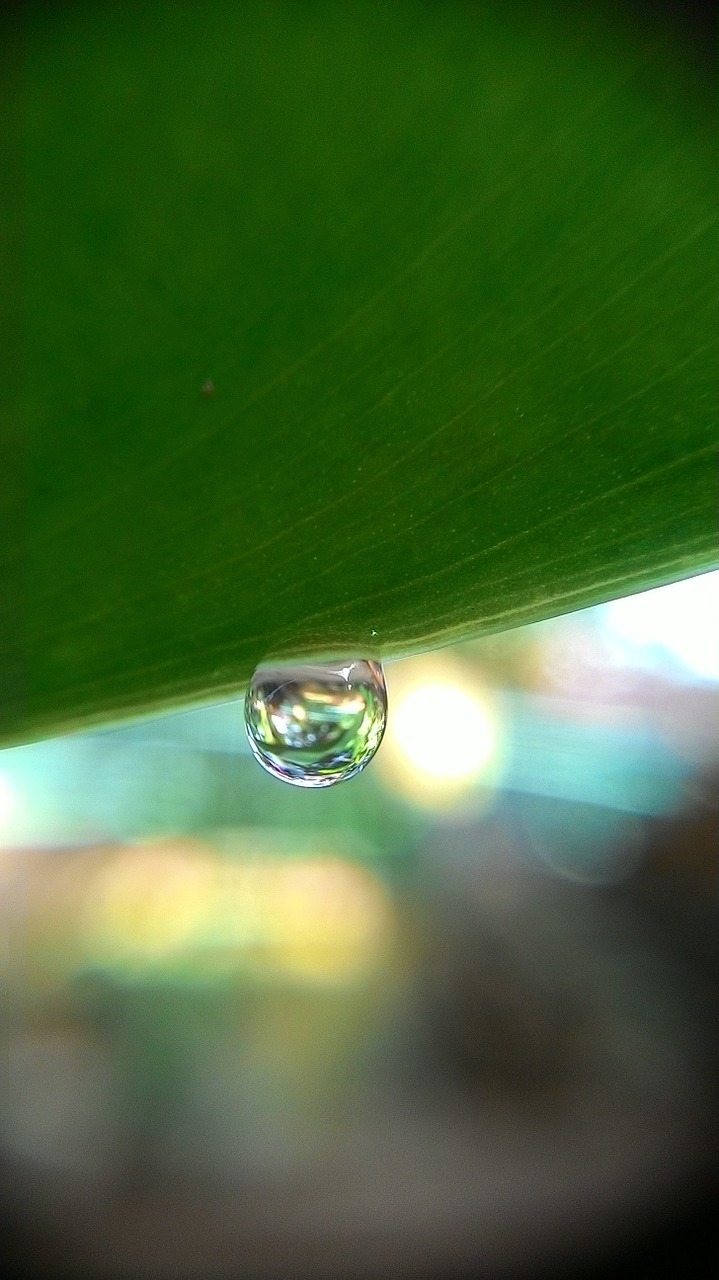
318,723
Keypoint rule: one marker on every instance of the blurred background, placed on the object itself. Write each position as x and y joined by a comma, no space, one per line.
455,1017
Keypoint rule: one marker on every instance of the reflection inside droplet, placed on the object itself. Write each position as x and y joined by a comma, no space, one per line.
318,723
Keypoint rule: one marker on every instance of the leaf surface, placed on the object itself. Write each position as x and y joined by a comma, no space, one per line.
347,328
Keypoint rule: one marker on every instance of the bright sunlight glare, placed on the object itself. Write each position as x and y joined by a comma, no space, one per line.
681,620
443,731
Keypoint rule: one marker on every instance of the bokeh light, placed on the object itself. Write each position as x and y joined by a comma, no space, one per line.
443,730
678,623
260,910
465,741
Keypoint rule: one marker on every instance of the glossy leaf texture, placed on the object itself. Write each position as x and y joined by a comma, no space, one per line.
347,329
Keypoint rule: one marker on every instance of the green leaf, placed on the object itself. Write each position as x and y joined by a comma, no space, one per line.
449,270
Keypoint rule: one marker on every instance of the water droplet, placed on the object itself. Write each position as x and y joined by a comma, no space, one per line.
208,388
318,723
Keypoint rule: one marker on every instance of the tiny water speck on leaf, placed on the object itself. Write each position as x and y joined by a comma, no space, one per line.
208,388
